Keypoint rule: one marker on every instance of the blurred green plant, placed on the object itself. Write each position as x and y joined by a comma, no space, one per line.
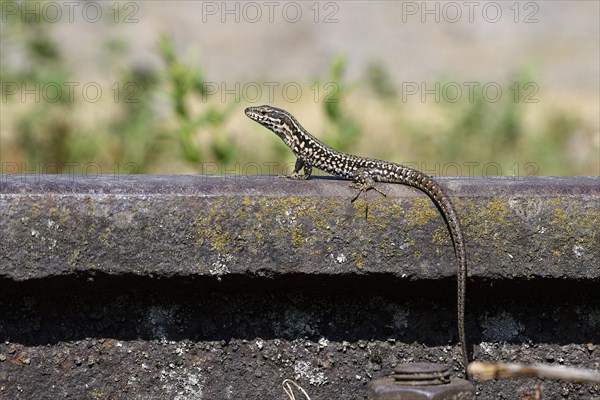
342,130
379,80
482,129
186,83
136,133
49,132
167,113
45,132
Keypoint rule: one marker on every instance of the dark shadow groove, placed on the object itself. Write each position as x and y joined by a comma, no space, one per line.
342,308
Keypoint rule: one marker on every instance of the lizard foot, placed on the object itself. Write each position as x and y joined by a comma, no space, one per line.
294,175
364,187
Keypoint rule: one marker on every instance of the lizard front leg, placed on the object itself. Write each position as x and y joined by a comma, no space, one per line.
300,164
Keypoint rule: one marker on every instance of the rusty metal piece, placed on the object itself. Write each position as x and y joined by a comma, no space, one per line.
421,381
421,374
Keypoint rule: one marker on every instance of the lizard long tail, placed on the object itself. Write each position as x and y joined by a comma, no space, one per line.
444,204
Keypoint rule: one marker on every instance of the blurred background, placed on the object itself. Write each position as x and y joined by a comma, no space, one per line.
452,88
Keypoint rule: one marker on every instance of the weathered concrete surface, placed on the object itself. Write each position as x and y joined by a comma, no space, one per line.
199,225
220,288
143,338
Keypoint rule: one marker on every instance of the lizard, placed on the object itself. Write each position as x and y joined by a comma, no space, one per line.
365,172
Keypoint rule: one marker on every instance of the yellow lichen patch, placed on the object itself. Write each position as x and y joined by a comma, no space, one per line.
298,239
302,220
555,202
421,212
470,219
105,236
495,221
589,221
210,226
63,216
358,259
36,210
441,236
486,220
360,208
497,210
570,221
299,221
315,251
560,213
556,253
386,212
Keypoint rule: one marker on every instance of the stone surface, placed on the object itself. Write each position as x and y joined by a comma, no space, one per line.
222,287
217,226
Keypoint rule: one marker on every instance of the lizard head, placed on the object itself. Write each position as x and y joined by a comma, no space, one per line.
279,121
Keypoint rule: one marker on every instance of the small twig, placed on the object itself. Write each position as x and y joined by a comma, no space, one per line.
288,389
487,371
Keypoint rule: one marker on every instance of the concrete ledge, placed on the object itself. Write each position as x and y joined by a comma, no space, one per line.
200,225
195,287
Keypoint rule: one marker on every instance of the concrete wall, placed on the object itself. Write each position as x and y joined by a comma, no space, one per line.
212,287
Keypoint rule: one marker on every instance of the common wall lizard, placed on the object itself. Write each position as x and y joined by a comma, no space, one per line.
310,152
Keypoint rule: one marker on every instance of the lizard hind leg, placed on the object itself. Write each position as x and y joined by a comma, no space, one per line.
364,182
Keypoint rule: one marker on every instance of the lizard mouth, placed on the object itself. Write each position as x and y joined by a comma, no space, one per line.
255,112
250,112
